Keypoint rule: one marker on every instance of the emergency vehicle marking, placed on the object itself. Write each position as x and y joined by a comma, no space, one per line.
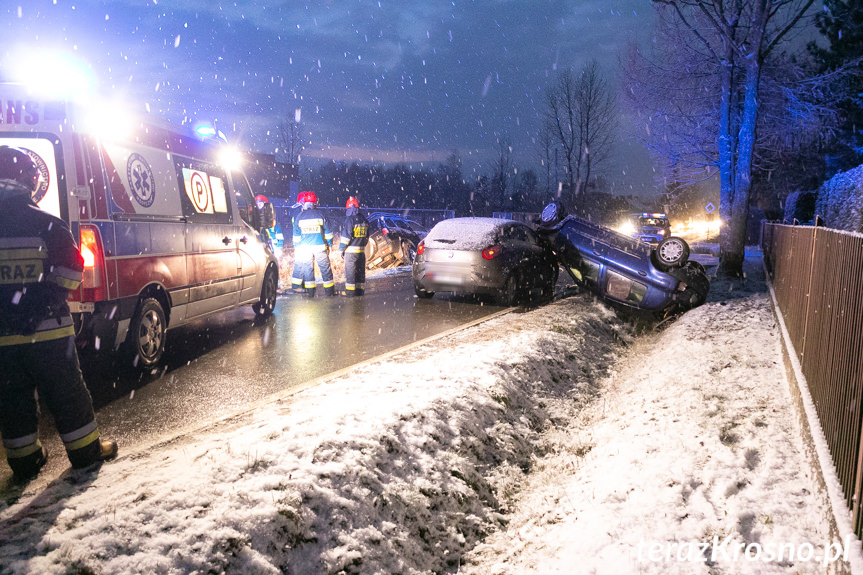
21,260
141,180
198,191
44,175
19,112
20,272
311,226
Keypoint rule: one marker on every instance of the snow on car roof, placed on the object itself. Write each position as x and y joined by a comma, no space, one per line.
464,233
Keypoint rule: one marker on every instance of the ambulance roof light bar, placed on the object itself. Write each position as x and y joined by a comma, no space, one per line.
207,131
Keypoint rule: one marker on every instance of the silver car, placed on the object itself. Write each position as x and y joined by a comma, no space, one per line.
488,256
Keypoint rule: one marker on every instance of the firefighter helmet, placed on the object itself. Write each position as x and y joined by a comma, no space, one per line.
310,198
17,165
352,203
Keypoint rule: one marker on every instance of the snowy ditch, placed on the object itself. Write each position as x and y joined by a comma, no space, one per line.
398,467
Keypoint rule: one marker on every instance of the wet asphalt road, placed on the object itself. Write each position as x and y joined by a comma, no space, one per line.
217,366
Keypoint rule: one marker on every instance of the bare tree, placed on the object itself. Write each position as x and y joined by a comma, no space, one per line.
545,152
502,172
582,119
290,138
734,38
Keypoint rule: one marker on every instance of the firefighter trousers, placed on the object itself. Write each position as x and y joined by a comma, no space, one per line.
355,273
51,368
304,268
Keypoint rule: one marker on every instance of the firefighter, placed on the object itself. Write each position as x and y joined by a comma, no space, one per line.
274,234
354,237
297,273
39,265
312,240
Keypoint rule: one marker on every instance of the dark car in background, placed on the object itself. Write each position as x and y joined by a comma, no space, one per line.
485,256
651,227
624,270
393,240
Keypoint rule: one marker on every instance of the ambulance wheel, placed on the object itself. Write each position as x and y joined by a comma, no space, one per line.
265,307
146,337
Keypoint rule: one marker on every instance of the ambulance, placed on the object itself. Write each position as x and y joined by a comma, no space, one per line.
169,231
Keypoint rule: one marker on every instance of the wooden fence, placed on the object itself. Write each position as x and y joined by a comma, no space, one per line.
817,275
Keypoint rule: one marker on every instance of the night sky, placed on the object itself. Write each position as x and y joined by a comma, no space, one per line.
374,81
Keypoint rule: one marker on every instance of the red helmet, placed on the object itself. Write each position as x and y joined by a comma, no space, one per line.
309,197
16,164
352,203
261,198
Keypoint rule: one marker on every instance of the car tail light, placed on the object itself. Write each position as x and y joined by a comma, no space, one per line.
491,252
421,248
93,283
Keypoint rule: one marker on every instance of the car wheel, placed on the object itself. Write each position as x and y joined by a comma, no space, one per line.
552,214
423,294
697,284
264,308
508,295
672,252
146,336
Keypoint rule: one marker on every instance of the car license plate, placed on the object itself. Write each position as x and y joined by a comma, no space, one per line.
449,280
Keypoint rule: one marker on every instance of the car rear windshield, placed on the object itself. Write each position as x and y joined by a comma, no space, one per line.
463,234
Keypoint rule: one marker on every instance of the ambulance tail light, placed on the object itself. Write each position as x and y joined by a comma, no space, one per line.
93,285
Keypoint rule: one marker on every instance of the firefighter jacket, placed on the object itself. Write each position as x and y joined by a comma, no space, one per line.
311,232
354,232
39,264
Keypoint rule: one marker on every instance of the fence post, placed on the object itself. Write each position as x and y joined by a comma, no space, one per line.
808,295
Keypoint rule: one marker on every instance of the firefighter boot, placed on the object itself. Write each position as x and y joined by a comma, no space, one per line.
28,467
96,452
109,449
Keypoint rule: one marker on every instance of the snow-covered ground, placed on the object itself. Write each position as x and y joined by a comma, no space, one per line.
553,440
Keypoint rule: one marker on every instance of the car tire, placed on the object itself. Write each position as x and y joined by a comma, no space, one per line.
671,252
423,294
552,214
264,308
697,284
146,337
508,295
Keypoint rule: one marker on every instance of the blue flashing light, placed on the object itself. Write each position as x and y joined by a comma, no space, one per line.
205,131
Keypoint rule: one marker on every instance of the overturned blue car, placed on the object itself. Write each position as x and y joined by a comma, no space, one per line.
623,270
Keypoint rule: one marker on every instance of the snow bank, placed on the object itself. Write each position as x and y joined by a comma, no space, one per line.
393,469
691,463
840,201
